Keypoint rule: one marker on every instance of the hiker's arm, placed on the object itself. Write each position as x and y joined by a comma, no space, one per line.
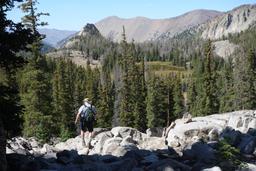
77,117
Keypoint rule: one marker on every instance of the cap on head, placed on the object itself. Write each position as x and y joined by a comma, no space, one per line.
86,100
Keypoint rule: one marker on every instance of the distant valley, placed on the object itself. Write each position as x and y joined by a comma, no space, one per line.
54,36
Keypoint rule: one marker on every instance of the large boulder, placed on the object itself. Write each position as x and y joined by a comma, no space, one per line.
47,149
232,135
99,141
66,157
111,144
250,167
155,132
127,131
128,141
70,144
200,152
242,120
122,150
152,143
97,131
210,127
183,133
18,144
248,144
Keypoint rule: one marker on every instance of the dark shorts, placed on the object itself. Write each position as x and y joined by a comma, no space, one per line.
84,125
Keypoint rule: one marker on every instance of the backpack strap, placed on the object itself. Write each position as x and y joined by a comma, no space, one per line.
90,108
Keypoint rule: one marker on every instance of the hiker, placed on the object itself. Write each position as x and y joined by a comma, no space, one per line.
86,113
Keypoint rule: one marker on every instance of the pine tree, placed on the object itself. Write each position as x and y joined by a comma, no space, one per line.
139,89
106,103
156,103
244,78
127,98
35,88
80,86
63,106
178,106
209,95
251,74
195,92
192,94
31,21
11,43
227,94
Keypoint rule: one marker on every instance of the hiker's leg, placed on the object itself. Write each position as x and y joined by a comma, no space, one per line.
86,133
90,129
82,134
90,135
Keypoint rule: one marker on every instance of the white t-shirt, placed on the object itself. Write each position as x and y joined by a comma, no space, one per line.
83,108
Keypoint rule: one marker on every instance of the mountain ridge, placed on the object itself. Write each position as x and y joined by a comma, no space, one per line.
143,29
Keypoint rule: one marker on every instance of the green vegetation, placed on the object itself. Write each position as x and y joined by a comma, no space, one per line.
138,85
229,157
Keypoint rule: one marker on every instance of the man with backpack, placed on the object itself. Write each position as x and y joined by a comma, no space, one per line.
86,113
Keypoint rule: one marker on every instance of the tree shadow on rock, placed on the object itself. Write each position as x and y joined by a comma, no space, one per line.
70,160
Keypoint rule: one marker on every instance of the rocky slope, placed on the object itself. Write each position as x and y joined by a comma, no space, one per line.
187,144
234,21
76,47
142,29
224,48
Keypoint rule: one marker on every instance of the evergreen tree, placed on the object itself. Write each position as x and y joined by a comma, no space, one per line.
178,106
209,99
227,94
80,86
156,103
31,20
106,103
244,78
139,89
34,82
251,81
34,90
14,38
192,94
195,92
62,100
127,98
170,101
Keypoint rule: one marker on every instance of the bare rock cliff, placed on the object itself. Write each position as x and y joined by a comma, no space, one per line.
234,21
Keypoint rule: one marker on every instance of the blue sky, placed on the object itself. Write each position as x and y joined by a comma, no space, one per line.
74,14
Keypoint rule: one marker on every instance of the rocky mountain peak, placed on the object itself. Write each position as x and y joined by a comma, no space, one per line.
234,21
89,29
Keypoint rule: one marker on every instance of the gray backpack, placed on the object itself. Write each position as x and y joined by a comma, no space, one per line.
88,114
